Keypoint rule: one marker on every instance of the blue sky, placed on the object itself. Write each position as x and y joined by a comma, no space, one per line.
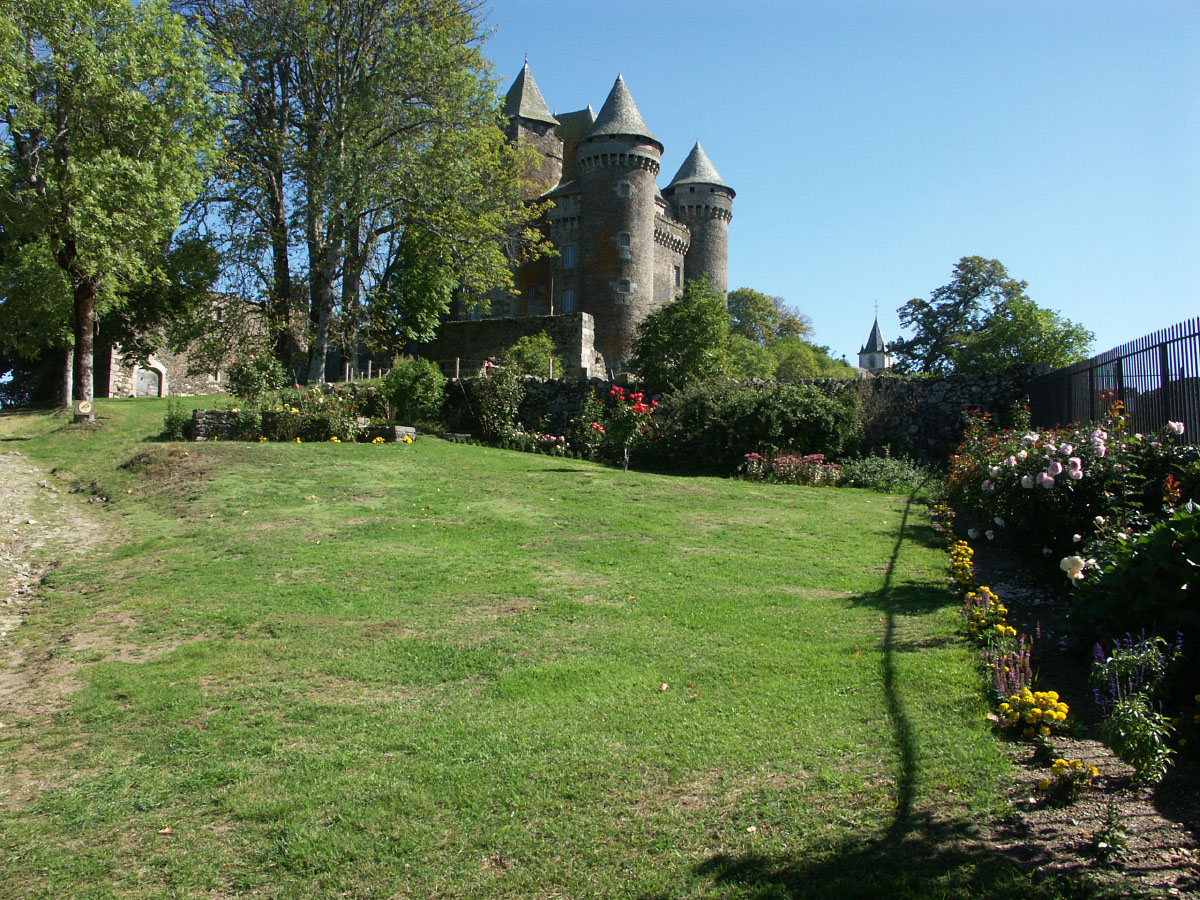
873,144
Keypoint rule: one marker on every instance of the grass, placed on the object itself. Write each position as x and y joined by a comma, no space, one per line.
442,670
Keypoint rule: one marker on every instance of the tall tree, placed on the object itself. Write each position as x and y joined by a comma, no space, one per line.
955,310
686,340
382,121
763,318
1019,332
110,128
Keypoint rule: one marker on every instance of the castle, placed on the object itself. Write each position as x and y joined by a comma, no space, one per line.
624,247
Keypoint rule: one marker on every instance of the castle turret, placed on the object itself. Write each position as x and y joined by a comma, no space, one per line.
875,355
703,202
530,123
617,161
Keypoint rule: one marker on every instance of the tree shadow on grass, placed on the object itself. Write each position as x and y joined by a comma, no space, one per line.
920,853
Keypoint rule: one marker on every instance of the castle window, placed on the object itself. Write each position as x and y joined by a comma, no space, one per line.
623,239
568,256
623,189
623,286
691,190
568,301
678,276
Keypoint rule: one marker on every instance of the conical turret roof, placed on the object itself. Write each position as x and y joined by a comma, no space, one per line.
525,101
875,343
619,115
698,169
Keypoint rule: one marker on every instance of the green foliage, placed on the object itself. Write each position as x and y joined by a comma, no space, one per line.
311,414
582,432
415,390
175,421
534,355
1139,735
498,395
253,377
1157,568
953,312
763,319
797,359
111,128
685,341
709,426
1020,333
368,143
890,474
750,360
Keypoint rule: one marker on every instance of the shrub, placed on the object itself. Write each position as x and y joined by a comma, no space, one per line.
534,355
1068,779
414,390
586,431
1034,713
709,426
254,377
176,421
1139,735
889,474
1159,568
498,395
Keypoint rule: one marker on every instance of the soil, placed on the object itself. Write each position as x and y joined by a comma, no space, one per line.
1144,836
40,528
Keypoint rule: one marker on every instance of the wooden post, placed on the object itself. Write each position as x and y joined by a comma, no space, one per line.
456,361
369,362
551,366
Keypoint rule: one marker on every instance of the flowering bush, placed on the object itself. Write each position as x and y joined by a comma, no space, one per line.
1033,713
255,376
1068,778
962,568
628,423
985,614
1009,665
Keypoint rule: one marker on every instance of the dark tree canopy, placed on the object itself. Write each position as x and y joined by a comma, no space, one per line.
687,340
982,321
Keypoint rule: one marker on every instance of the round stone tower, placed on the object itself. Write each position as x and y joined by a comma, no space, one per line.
617,161
703,202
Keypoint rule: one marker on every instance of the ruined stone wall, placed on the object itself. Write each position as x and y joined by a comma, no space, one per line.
165,375
473,343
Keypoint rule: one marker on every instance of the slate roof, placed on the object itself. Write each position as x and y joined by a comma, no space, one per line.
698,169
875,343
571,129
526,101
619,115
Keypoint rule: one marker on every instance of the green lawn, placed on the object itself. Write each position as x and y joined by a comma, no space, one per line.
441,670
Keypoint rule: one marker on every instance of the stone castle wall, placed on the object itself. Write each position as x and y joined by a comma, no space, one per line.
473,343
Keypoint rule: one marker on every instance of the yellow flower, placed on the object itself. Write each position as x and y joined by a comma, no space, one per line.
408,439
1044,784
298,441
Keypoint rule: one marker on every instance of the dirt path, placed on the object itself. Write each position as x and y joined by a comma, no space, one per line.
39,528
1153,828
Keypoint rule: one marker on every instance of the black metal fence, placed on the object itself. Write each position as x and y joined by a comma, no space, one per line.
1157,377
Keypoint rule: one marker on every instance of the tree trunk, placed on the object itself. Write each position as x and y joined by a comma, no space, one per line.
68,372
85,329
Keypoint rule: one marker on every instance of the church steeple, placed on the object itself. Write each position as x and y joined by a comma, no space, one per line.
875,355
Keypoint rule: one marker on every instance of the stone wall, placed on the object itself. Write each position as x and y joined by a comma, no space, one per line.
473,343
166,375
918,417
